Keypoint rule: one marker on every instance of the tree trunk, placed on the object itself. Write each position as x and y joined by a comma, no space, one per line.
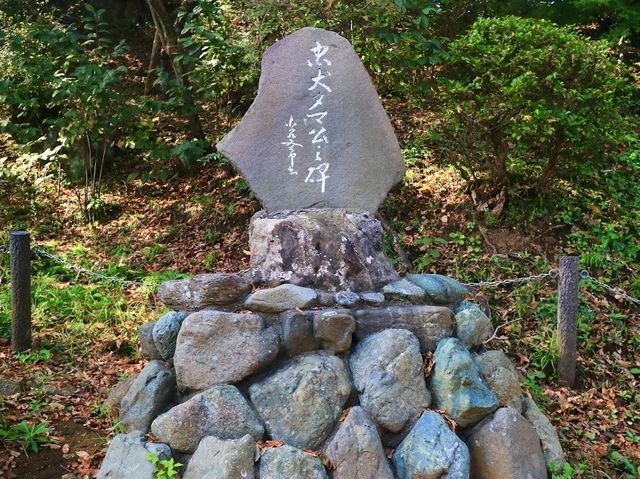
169,38
153,62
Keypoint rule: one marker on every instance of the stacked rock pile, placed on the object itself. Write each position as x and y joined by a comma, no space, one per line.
352,385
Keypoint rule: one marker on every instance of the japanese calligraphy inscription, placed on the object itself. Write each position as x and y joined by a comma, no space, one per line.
316,136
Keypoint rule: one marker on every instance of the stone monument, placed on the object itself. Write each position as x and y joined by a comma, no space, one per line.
322,346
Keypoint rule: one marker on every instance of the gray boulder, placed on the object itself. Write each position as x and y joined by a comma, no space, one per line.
223,459
118,392
428,323
328,249
347,299
440,289
220,411
333,329
126,457
389,377
150,393
280,298
505,446
551,448
316,106
457,386
403,289
291,463
203,291
502,377
432,450
372,298
301,402
9,387
355,451
147,345
165,332
473,327
215,347
297,332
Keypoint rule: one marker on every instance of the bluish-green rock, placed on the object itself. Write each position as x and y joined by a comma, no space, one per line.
472,327
165,333
440,289
457,386
431,449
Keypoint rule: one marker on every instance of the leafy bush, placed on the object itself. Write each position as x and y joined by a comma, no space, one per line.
525,101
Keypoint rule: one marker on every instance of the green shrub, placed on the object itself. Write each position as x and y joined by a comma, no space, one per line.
525,102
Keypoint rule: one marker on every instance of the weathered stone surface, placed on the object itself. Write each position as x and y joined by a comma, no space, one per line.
472,327
220,411
9,387
118,392
334,329
347,299
372,298
356,451
297,332
290,462
126,457
326,299
440,289
505,446
314,92
301,402
223,459
281,298
456,384
215,347
145,338
432,450
389,377
328,249
404,289
203,291
165,333
551,448
502,378
150,393
428,323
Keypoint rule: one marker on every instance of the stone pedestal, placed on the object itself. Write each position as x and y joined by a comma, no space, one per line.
329,249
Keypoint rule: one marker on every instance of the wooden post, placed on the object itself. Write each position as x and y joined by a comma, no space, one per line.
568,279
20,249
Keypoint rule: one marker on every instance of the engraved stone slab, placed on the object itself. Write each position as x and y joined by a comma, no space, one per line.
316,136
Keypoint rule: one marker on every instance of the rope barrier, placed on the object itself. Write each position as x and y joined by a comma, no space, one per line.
549,275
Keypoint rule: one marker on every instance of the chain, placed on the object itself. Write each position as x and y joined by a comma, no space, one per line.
94,274
552,274
4,249
617,292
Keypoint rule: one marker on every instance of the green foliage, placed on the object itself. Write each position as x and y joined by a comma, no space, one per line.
29,436
165,469
525,101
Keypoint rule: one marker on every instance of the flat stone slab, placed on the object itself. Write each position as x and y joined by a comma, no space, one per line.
428,323
280,298
316,135
203,291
